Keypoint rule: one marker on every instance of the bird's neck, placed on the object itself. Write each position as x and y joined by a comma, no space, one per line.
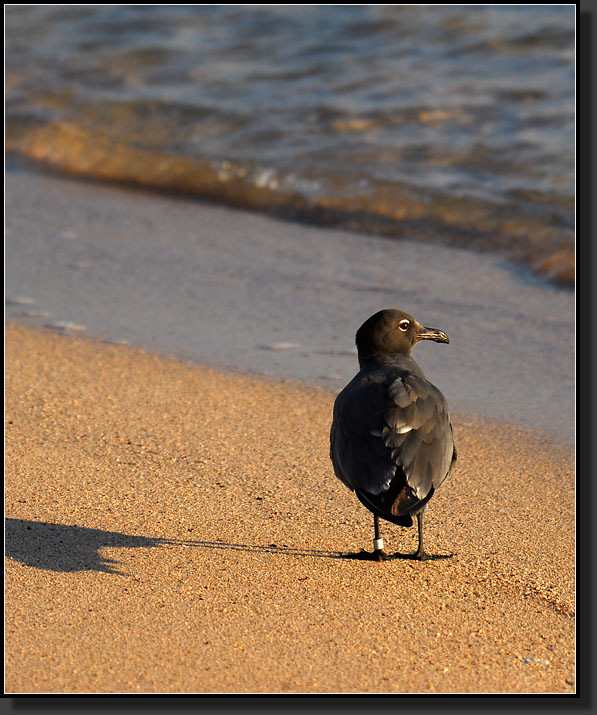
402,361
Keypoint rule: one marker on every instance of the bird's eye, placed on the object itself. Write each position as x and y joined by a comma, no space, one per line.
403,325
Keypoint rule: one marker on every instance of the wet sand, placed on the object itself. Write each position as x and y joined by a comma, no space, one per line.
173,529
225,288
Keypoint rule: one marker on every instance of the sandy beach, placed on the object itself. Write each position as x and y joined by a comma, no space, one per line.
176,529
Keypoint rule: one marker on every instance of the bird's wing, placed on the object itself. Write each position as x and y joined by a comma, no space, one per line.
360,458
418,432
381,427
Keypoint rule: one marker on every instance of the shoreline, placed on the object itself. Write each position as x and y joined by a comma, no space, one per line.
249,293
164,516
534,434
554,262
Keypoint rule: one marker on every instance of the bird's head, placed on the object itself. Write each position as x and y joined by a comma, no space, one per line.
392,332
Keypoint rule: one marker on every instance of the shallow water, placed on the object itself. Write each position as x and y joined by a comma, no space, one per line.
241,291
451,123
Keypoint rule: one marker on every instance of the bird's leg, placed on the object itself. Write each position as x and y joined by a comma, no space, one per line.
378,553
421,555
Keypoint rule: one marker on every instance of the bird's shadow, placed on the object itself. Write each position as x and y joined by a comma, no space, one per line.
64,548
58,547
363,555
312,553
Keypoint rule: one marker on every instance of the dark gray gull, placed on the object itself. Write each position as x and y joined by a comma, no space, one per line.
391,439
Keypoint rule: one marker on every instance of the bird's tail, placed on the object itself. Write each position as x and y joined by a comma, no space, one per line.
407,502
377,504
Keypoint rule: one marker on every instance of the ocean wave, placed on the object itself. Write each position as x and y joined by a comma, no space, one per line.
392,209
444,123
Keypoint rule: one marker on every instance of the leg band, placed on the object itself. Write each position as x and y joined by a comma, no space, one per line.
378,544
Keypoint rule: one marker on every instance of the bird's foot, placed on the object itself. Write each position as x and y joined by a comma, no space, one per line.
379,555
420,556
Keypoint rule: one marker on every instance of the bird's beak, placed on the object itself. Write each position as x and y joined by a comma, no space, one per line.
432,334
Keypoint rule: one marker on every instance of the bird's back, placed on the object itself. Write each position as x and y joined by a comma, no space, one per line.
391,439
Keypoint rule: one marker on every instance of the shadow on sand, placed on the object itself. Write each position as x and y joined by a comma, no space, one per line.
58,547
313,553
